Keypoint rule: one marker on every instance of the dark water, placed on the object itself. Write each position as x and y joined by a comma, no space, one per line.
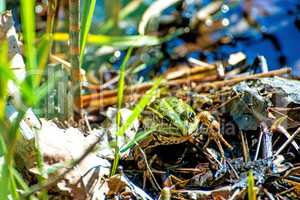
280,20
277,38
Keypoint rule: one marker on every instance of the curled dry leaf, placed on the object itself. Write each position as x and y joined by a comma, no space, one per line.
62,147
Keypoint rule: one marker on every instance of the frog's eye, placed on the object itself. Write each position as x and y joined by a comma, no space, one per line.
191,115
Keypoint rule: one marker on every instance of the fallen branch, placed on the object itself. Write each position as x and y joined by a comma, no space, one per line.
100,103
140,88
219,84
96,101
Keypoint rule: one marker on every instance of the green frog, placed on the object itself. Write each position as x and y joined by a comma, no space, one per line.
176,122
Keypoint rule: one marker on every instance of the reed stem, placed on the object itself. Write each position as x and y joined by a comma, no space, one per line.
74,32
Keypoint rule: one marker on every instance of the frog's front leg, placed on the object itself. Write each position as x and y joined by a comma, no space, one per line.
212,135
213,128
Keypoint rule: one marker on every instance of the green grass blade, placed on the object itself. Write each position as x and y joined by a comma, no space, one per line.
7,184
116,41
135,114
138,137
120,101
167,108
3,79
124,41
28,27
19,180
2,143
139,108
251,184
6,72
86,21
43,52
4,179
121,85
12,134
13,186
116,161
121,41
85,12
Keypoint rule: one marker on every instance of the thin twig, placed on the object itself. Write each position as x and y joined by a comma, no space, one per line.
282,130
66,64
219,84
258,145
287,173
148,168
235,194
205,193
245,147
228,101
87,122
232,168
287,142
269,195
181,71
295,123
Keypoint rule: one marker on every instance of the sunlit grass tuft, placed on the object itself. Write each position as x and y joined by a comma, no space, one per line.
137,110
120,101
